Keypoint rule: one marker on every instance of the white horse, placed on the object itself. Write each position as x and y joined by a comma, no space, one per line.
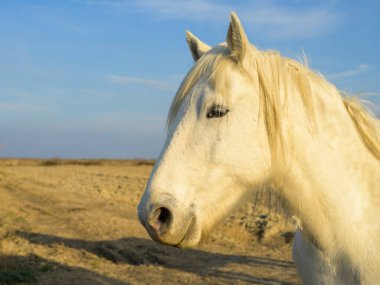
244,120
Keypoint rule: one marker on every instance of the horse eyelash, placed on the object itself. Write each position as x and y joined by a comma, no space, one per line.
217,111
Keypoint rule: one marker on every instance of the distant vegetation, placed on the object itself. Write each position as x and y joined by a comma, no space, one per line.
62,162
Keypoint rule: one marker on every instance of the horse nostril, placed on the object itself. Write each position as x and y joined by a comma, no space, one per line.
160,219
164,216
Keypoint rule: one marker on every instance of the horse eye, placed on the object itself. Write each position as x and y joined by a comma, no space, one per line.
217,111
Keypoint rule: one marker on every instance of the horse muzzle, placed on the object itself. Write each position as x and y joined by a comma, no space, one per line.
167,223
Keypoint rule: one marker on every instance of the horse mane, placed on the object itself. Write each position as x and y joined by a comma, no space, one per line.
367,125
278,74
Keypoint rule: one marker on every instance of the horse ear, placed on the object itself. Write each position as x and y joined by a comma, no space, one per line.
197,47
237,40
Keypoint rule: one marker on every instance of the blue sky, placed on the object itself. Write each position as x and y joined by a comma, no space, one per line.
88,78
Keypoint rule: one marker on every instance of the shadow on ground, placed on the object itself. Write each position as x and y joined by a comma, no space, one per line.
137,252
32,269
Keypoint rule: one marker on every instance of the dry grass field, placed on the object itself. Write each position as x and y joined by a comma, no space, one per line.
74,222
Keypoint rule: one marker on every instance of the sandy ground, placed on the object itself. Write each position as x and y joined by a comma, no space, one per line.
74,222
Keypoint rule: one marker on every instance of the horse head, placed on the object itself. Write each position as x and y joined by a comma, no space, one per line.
216,150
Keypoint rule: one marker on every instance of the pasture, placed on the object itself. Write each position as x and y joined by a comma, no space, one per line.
75,222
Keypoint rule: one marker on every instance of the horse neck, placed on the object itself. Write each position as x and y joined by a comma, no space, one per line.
330,181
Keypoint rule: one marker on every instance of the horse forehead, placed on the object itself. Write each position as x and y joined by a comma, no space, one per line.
226,78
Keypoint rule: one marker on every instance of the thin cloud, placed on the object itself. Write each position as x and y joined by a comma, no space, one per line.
183,10
115,122
271,19
142,81
280,22
20,108
360,69
275,20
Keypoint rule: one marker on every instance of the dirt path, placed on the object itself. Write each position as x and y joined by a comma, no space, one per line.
75,223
